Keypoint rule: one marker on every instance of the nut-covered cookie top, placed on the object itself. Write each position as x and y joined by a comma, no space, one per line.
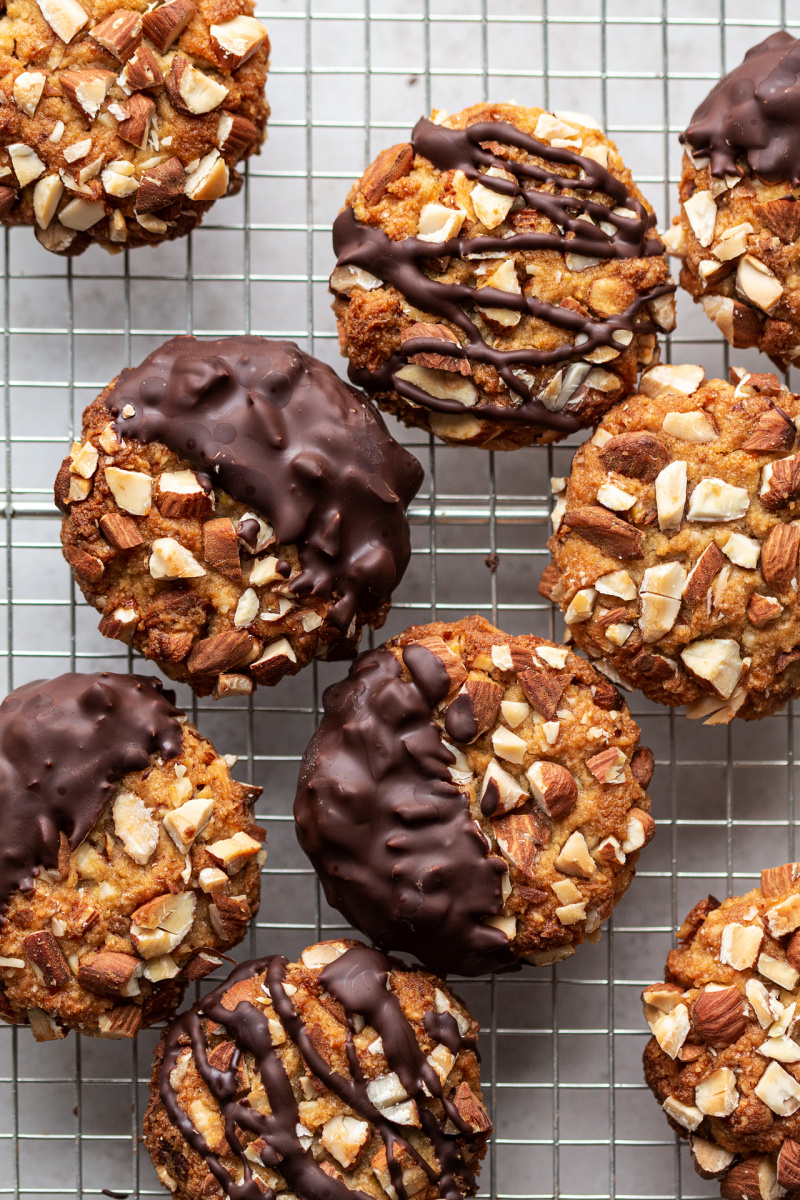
724,1059
753,112
519,262
342,1073
122,124
678,546
235,510
64,744
474,798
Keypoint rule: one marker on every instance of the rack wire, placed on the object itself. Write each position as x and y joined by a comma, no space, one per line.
561,1046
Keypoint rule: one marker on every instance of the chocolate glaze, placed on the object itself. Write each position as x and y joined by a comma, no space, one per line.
753,111
400,264
358,981
64,743
388,831
278,430
459,720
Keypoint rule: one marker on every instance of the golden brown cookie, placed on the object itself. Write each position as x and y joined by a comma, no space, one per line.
724,1061
499,278
234,510
342,1072
474,798
129,860
121,124
677,544
738,231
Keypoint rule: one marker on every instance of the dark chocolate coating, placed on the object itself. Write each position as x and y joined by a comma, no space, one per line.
754,111
387,830
64,743
357,980
400,264
278,430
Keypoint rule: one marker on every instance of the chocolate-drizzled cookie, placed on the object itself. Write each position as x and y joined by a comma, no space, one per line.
739,221
234,509
499,277
474,798
342,1075
128,858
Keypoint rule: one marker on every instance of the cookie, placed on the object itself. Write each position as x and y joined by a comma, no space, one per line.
474,798
343,1072
739,224
121,125
724,1061
538,215
678,547
129,860
234,510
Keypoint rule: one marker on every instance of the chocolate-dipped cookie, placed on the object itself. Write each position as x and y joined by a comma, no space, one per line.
723,1061
233,509
739,223
678,546
342,1074
128,857
123,123
474,798
499,278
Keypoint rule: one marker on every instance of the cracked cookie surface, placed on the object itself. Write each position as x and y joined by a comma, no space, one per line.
129,861
534,214
474,798
738,231
724,1061
678,546
234,510
344,1071
121,124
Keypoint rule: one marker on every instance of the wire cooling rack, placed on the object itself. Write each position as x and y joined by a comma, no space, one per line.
561,1047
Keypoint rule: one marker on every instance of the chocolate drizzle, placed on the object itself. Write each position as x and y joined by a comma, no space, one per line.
278,430
358,980
753,111
388,831
64,743
400,264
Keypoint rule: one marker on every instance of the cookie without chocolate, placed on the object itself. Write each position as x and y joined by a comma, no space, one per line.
724,1060
499,278
474,798
342,1072
128,860
234,510
739,225
121,126
678,546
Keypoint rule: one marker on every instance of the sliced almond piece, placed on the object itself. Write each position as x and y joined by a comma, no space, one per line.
28,88
665,579
608,766
690,427
784,918
581,606
180,494
170,560
237,40
686,1115
780,482
491,206
717,1095
635,455
184,823
671,496
715,500
192,91
658,615
520,837
234,852
685,378
508,745
132,490
699,580
701,213
345,1138
159,187
81,214
135,827
779,1091
500,791
763,609
742,550
210,178
758,284
718,661
740,945
613,497
710,1160
87,89
670,1029
575,858
165,24
438,223
119,34
26,163
444,384
65,17
617,583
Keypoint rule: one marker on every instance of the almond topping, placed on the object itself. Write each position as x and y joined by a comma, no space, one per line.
120,33
718,1016
132,490
135,127
108,973
575,858
234,852
164,25
671,496
740,945
715,500
780,482
142,71
135,827
520,836
611,535
184,823
170,560
28,88
190,90
237,40
608,766
211,655
158,187
763,609
779,557
758,283
636,455
717,1095
772,432
43,951
779,1091
86,90
553,787
65,17
718,661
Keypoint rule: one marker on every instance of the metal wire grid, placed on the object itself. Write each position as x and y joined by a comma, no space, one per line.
561,1047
